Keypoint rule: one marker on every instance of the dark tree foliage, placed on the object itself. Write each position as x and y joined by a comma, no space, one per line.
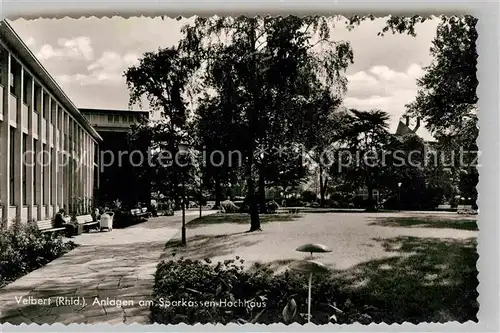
447,99
265,73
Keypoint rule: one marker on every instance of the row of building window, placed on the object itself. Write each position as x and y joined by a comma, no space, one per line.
38,92
46,106
113,118
24,146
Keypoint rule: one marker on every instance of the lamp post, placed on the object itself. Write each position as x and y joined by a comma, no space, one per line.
183,150
399,196
201,200
228,192
201,193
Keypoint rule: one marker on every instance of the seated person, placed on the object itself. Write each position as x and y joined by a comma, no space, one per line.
59,218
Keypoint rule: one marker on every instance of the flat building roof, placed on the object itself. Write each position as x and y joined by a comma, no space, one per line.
115,111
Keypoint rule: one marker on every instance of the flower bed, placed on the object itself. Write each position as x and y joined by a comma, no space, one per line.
23,249
190,292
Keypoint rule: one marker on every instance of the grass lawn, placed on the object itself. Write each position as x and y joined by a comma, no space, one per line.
463,224
240,218
432,280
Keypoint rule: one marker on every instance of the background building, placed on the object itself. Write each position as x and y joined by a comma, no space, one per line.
48,149
122,175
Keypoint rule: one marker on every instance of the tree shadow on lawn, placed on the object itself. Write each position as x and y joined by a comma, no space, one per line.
465,224
239,218
200,247
434,280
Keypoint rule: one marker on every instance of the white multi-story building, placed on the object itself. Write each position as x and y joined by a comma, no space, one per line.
48,149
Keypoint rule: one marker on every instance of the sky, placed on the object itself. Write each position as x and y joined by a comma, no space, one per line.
88,56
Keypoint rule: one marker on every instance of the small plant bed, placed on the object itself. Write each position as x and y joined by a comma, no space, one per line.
226,293
240,218
23,249
412,222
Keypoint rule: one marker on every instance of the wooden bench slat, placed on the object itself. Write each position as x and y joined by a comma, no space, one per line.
52,230
91,222
46,226
91,225
84,218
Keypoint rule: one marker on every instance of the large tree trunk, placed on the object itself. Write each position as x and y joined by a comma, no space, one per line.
371,202
370,193
254,210
217,193
252,198
262,192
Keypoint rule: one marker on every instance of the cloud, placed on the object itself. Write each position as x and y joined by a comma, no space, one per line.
381,82
381,87
78,48
83,79
112,62
108,69
30,42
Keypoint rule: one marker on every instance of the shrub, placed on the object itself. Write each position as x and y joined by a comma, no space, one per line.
294,202
23,248
334,204
228,206
309,196
260,295
272,206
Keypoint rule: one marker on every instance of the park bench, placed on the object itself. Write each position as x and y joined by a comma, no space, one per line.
47,227
465,209
444,207
140,212
88,222
293,210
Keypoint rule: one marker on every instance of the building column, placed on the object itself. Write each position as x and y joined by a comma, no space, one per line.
5,139
46,156
71,164
81,165
50,209
60,170
38,173
66,162
89,175
82,168
30,157
77,166
53,159
84,172
18,147
98,165
92,170
89,179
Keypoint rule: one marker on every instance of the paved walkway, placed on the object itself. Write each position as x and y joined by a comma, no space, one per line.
107,279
